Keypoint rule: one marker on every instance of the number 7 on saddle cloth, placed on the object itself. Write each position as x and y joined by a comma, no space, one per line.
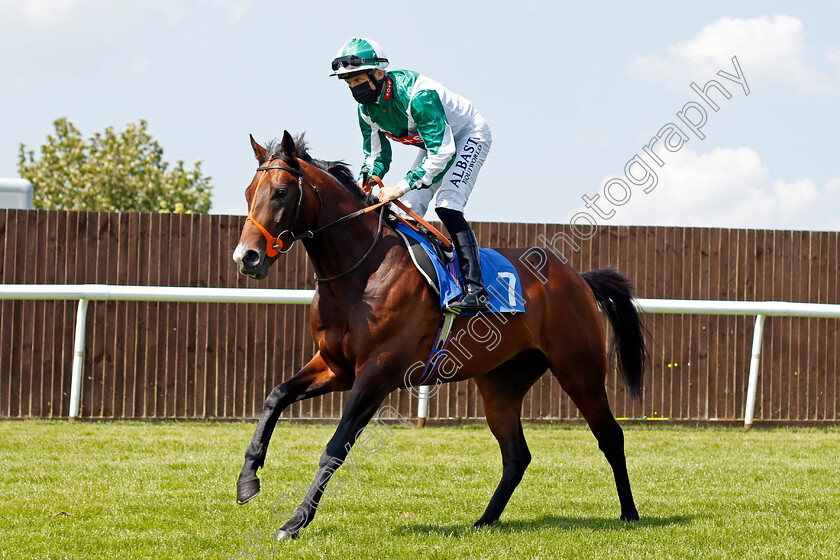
500,277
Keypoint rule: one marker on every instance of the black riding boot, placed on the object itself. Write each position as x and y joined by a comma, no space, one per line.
474,298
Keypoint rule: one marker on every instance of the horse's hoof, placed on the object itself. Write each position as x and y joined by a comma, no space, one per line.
484,522
247,490
282,535
630,516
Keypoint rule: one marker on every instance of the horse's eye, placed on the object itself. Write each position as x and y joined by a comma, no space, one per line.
280,193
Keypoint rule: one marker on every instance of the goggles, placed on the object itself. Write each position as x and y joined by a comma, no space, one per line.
353,61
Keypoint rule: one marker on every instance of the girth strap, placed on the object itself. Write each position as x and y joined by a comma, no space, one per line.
444,335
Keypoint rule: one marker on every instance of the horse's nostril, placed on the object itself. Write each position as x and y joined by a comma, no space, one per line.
251,258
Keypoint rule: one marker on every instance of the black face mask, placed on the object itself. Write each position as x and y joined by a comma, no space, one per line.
363,93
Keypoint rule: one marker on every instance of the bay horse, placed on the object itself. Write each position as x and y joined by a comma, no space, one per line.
373,317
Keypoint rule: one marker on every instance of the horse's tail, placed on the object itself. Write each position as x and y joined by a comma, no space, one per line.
614,294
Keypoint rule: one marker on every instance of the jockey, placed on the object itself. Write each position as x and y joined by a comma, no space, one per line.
453,138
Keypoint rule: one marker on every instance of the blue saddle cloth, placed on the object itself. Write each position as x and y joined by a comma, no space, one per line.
500,277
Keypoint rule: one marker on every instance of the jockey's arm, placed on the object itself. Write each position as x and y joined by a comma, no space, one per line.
376,148
433,127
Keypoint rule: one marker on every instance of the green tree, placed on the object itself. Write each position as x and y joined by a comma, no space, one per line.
111,171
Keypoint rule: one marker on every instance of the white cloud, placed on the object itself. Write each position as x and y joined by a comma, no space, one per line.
729,188
235,10
770,49
138,66
38,13
795,199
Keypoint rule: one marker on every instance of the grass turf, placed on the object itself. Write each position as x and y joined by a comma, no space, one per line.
167,490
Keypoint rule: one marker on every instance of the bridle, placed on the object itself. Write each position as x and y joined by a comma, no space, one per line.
274,245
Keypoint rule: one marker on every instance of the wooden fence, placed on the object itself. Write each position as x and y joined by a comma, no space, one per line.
192,360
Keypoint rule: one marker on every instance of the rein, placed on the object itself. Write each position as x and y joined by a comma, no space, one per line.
419,219
361,260
274,245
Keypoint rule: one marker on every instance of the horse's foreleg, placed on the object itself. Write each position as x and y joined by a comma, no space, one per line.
316,378
367,394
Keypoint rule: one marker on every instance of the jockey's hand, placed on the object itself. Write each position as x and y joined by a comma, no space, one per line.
389,193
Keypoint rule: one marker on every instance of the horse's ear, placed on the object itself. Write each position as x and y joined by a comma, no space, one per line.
259,151
288,145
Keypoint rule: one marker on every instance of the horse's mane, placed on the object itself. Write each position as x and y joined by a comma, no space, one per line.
338,169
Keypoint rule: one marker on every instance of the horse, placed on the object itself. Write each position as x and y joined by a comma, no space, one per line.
373,316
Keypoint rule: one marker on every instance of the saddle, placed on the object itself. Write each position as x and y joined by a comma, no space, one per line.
439,267
422,260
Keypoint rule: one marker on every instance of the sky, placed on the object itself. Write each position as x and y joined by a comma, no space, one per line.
574,94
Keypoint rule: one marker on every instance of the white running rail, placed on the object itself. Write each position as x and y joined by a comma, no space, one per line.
99,292
85,293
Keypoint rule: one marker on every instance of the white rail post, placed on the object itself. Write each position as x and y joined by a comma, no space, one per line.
423,406
78,359
755,360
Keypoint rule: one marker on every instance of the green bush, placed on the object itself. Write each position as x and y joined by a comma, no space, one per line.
112,172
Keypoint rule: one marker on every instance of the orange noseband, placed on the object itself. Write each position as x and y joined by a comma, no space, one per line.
274,245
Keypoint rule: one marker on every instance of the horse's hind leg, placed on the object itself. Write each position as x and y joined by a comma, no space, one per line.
590,397
315,378
502,391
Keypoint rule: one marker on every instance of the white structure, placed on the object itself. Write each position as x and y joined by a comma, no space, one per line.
16,193
98,292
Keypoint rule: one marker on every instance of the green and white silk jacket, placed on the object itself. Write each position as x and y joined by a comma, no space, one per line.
415,110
